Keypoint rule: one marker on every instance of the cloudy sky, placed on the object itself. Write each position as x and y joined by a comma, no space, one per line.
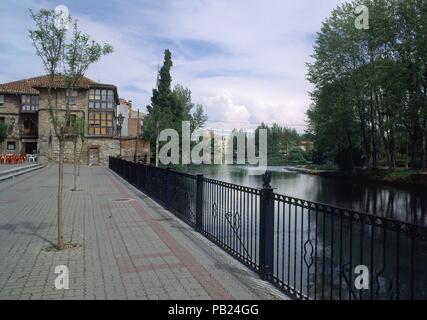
244,60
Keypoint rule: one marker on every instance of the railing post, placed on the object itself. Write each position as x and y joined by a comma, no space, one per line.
149,179
199,203
266,232
167,187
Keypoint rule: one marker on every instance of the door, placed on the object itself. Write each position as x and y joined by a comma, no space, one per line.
30,147
94,156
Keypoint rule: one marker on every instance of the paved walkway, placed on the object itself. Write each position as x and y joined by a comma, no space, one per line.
131,248
5,167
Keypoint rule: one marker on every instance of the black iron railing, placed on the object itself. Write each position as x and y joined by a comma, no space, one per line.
231,219
309,250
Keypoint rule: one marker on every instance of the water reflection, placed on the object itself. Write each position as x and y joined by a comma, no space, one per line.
402,204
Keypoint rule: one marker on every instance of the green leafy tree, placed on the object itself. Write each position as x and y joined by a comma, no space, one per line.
280,141
296,154
169,107
80,53
370,91
159,111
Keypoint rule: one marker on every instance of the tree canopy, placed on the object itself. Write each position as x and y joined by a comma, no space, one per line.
370,98
170,107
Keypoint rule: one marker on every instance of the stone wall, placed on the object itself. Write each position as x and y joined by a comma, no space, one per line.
103,147
47,142
11,105
9,110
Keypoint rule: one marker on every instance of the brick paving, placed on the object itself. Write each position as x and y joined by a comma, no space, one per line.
131,248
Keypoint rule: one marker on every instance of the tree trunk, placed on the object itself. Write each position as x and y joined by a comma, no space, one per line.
80,157
75,165
60,189
373,134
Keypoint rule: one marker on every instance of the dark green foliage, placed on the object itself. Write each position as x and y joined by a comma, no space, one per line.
296,154
280,140
370,95
170,107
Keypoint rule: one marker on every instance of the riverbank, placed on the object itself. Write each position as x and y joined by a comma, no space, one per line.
398,177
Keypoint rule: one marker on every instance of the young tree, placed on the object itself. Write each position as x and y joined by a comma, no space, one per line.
79,128
49,40
82,135
80,53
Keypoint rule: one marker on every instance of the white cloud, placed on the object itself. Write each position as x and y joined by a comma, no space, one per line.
258,60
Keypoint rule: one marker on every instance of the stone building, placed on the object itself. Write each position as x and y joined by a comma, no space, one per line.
132,131
24,109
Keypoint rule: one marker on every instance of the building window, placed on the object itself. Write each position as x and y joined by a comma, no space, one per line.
101,99
10,145
71,120
100,123
71,95
29,127
1,100
29,102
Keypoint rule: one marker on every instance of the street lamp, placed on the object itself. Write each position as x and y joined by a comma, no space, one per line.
120,119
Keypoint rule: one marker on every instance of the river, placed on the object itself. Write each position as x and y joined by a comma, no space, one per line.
401,204
396,259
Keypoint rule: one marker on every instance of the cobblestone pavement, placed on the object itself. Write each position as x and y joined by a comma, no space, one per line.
131,248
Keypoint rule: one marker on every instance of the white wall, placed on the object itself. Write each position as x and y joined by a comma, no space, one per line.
124,110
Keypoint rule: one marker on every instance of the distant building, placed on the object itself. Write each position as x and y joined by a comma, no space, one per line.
132,131
124,109
136,122
24,109
306,145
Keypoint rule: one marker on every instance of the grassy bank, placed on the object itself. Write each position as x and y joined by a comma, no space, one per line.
397,177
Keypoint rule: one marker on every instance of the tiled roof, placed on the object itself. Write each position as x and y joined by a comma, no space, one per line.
28,86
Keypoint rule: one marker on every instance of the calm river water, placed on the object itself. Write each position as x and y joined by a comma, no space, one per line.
402,204
317,253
